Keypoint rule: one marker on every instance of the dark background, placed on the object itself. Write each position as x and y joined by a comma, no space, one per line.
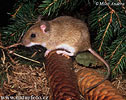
6,6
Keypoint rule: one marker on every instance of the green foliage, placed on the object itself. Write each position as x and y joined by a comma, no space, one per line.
109,26
19,23
3,75
87,59
53,7
117,53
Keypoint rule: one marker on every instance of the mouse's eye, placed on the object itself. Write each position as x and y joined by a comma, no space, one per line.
33,35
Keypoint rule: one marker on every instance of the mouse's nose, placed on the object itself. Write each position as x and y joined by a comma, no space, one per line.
25,42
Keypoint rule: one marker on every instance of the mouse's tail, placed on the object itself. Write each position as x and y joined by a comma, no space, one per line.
106,64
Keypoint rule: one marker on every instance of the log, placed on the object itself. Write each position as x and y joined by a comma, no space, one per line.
61,77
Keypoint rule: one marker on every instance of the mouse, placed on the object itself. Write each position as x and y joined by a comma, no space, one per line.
64,32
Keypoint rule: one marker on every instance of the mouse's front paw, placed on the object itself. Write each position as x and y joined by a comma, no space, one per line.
64,53
46,53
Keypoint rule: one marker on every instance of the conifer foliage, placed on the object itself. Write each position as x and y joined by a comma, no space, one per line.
106,21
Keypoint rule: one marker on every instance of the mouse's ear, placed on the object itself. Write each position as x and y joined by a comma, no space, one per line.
45,26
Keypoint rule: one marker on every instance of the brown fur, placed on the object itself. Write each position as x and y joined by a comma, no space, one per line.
62,30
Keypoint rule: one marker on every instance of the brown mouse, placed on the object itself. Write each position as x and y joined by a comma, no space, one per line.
63,32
